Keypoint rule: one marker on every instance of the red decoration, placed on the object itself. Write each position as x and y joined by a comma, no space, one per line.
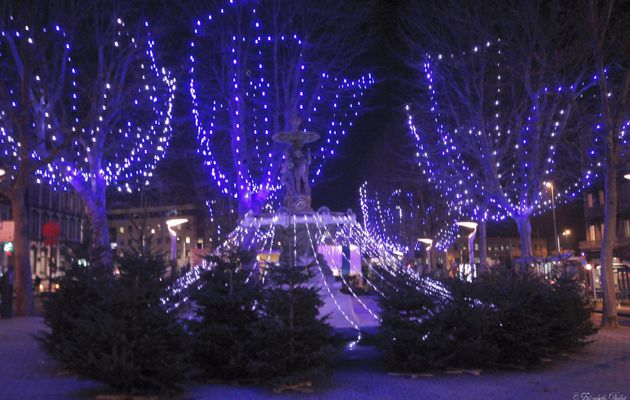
51,231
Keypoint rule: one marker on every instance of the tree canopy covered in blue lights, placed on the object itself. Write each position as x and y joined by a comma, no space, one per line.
252,76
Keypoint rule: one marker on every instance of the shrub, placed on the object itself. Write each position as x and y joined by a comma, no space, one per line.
502,319
422,332
114,329
537,319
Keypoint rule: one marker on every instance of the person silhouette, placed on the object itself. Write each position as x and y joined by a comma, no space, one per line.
6,292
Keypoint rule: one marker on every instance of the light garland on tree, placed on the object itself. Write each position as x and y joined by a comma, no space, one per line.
135,140
450,167
386,222
49,88
244,111
374,222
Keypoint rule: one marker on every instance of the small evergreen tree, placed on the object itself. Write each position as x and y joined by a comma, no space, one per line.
114,329
296,344
268,333
225,310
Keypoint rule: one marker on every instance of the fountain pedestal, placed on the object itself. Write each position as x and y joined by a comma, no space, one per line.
298,202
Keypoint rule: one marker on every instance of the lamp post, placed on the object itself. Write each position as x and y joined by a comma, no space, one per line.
170,224
590,268
556,238
429,243
471,241
3,259
566,233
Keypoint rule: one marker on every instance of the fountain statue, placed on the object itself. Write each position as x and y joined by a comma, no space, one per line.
295,169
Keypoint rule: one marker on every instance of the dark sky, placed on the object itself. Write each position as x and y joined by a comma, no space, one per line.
345,174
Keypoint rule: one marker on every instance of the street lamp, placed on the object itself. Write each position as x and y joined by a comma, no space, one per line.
556,238
429,243
170,224
2,172
471,241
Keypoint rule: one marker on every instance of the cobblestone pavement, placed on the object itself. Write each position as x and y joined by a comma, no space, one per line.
600,369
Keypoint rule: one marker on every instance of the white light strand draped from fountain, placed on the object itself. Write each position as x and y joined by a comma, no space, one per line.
330,293
258,233
346,283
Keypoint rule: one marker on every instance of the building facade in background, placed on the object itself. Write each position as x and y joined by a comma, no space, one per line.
500,249
146,227
594,221
45,204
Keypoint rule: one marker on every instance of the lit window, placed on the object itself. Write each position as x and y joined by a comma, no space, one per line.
121,230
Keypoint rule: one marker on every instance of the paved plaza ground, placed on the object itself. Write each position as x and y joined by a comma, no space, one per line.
600,369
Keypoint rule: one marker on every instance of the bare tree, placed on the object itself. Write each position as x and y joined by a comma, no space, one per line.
501,81
125,113
398,207
35,88
608,21
264,67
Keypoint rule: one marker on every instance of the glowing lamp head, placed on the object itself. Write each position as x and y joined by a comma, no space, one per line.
626,176
548,184
427,241
468,224
172,223
2,172
588,267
